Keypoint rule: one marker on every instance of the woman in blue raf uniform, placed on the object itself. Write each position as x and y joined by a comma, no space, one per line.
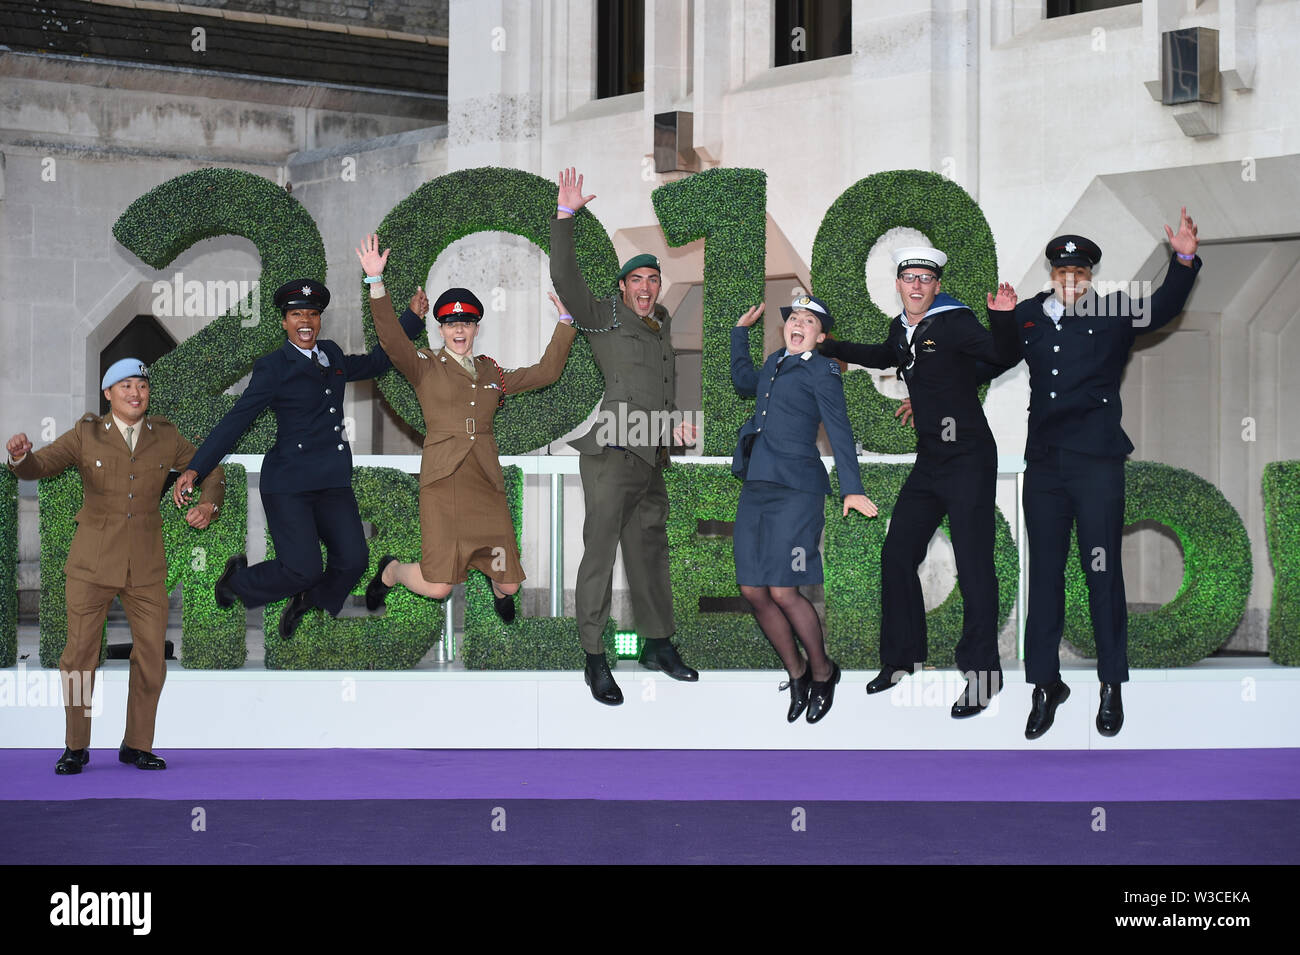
782,505
306,482
464,516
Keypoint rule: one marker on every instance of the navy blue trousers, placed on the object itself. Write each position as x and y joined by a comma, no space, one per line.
299,523
963,488
1064,489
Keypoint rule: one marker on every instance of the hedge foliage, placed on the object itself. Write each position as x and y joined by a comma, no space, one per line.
59,499
211,638
853,547
728,209
1216,570
529,643
8,568
395,639
462,203
190,381
864,212
705,567
1282,527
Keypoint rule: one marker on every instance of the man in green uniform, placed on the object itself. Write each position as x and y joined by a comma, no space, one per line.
624,455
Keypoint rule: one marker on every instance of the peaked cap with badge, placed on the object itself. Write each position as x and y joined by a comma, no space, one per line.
302,293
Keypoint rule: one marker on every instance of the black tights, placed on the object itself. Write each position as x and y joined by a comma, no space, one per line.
784,614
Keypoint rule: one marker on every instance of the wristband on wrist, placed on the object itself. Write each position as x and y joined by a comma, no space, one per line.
572,212
566,317
1186,258
372,279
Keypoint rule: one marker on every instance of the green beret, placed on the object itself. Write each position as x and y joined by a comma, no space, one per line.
643,261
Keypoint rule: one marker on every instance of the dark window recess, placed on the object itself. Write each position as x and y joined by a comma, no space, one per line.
725,605
143,338
715,528
1065,8
620,47
811,30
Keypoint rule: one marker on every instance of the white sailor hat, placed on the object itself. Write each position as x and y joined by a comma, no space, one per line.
920,257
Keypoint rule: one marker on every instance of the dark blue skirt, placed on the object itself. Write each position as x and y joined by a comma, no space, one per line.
776,536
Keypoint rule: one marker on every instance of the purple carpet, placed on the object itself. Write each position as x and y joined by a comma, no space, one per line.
954,776
1204,807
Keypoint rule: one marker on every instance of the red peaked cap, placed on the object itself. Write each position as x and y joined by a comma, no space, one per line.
457,305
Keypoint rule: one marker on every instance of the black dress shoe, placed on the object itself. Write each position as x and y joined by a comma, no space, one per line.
377,590
821,693
1110,714
225,596
981,686
71,761
142,758
888,678
601,681
504,606
799,688
292,615
660,654
1047,697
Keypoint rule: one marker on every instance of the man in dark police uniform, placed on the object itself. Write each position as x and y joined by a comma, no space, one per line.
623,477
1076,344
306,480
942,352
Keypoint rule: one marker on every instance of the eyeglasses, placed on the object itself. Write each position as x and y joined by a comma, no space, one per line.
925,278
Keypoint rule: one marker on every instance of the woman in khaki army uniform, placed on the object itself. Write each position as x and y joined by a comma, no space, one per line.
464,517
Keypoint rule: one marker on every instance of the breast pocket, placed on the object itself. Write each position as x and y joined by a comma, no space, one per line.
97,474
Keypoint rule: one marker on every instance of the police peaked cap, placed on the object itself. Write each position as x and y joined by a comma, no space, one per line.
1072,250
302,293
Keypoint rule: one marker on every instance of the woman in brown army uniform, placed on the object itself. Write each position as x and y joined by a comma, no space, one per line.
464,517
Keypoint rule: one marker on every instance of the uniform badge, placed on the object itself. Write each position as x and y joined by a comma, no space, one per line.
1029,324
1070,246
835,367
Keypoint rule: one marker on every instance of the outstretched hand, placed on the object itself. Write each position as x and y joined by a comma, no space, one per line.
184,484
1185,240
1005,299
420,303
571,192
564,314
749,318
860,503
372,261
904,412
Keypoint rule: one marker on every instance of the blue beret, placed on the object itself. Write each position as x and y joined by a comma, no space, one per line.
124,368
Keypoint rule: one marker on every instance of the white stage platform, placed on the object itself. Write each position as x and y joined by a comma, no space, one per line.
1219,703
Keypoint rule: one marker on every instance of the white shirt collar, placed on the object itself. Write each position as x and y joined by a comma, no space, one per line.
324,359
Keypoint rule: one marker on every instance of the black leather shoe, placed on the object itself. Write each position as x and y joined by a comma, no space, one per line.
504,606
142,758
1047,697
292,615
799,688
821,694
981,686
377,590
1110,714
223,593
71,761
660,654
888,678
601,681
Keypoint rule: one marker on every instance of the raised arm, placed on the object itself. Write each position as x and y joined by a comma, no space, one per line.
1004,327
549,369
30,465
565,276
889,354
1167,302
743,376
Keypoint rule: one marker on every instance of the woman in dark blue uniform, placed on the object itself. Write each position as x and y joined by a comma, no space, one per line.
782,505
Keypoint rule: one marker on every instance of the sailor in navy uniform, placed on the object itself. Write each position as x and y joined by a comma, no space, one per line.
1076,344
941,350
781,514
306,481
